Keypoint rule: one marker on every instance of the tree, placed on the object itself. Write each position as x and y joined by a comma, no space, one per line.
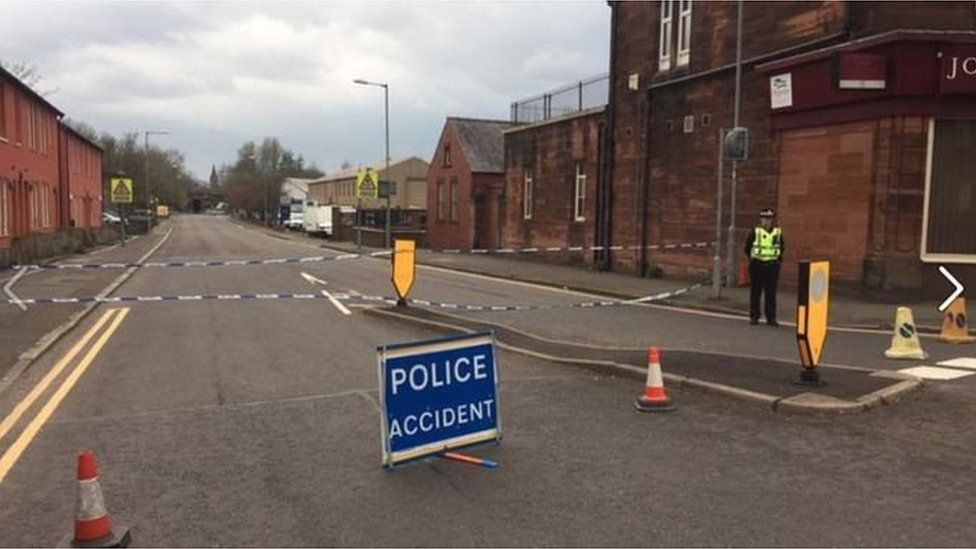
253,182
214,180
28,75
86,130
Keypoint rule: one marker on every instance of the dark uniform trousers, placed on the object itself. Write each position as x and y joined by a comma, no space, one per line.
763,278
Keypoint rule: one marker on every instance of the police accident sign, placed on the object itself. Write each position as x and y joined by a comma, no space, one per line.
437,396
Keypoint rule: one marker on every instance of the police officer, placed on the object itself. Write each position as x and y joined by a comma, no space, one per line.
765,250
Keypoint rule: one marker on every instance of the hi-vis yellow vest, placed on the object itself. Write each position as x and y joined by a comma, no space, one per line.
766,244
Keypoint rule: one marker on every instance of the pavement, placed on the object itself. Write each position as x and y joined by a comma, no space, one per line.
24,333
254,423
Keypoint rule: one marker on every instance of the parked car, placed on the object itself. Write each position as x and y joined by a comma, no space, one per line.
111,218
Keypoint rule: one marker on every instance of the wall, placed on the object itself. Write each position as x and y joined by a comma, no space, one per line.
28,163
84,171
442,231
874,17
549,151
663,180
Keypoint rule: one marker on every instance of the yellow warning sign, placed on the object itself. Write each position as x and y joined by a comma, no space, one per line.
367,183
813,298
404,267
121,190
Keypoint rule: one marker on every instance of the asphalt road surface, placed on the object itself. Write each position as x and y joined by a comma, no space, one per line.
255,423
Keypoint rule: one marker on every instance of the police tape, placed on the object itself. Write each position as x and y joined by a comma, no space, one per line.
348,296
348,256
548,249
182,264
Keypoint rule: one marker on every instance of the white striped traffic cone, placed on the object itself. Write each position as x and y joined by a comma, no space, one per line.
654,398
93,526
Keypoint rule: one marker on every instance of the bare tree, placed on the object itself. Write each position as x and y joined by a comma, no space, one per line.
28,74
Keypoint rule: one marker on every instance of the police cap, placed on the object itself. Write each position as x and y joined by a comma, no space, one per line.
767,212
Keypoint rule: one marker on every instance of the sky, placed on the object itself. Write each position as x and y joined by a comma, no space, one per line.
217,74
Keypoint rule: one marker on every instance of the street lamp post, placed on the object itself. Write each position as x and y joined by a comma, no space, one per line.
149,216
386,117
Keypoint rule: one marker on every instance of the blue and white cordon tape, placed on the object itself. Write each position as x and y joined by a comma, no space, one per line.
351,296
341,257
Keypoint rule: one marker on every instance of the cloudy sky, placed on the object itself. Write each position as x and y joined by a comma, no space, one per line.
216,74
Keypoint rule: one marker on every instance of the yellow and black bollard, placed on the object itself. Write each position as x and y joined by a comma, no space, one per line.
403,269
813,298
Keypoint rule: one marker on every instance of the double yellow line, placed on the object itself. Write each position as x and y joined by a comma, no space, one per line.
114,318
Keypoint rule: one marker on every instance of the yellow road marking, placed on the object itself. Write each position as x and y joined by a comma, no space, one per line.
13,453
42,386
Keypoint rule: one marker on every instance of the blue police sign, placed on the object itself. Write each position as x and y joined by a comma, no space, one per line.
438,395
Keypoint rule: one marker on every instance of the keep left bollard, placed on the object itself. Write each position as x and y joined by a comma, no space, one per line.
955,327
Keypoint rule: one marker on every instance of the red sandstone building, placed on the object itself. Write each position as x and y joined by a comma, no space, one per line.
465,182
50,177
863,117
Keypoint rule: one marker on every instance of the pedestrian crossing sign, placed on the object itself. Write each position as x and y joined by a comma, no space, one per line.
121,190
367,183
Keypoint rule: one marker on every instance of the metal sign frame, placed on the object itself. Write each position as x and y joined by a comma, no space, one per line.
384,353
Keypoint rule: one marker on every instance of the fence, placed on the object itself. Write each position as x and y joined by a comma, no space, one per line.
585,94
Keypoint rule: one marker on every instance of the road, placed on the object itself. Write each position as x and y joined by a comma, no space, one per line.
254,423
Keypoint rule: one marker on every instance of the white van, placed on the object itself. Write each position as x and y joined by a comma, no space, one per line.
318,220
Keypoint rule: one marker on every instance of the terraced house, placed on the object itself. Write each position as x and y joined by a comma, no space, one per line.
50,176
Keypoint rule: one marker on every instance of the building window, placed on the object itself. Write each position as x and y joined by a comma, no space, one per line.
454,200
527,196
684,32
689,123
447,155
949,227
440,200
664,42
579,203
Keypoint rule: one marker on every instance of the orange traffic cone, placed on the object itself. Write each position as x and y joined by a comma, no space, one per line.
93,526
654,398
954,326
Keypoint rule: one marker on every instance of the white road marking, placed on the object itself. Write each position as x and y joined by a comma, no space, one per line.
8,289
931,372
338,304
312,280
962,362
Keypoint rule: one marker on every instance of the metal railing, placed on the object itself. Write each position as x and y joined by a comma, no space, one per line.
585,94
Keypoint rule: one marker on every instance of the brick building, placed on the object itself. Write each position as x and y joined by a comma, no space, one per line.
865,148
552,170
409,177
80,173
465,182
29,171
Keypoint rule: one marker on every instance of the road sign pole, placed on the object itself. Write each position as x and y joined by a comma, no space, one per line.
386,110
122,219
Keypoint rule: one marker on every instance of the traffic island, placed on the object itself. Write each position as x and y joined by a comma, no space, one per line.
764,382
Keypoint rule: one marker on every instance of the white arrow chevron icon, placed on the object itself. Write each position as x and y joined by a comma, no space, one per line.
955,283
